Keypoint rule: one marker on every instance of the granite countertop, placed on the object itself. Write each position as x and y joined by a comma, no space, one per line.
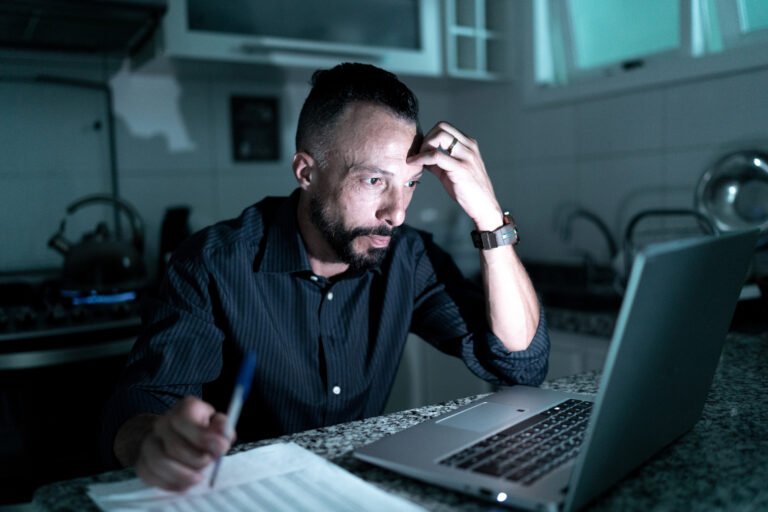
721,464
595,323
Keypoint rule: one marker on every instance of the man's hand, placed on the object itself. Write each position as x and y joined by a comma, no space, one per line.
179,445
512,308
462,173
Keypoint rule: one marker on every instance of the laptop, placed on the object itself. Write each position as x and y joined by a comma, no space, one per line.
542,449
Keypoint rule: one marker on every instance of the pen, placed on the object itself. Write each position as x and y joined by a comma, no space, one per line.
242,386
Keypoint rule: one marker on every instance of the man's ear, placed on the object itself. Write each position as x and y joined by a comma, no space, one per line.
303,169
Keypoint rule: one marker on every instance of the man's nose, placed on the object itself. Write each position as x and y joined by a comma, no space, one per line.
392,208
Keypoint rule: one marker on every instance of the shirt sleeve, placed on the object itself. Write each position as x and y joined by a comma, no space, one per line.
449,313
177,351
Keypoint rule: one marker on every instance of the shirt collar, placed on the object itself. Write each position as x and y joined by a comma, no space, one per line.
284,249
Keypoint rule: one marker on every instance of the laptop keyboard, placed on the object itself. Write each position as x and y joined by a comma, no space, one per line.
529,450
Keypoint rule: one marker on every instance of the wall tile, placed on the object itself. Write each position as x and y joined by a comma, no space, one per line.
50,130
485,112
33,207
162,125
437,104
753,86
616,155
544,133
684,170
151,195
616,189
630,122
726,111
643,150
540,194
52,154
236,192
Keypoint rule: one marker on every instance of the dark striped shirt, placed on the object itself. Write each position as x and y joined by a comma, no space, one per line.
327,350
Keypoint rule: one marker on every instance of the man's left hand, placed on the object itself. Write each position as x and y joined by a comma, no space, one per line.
462,173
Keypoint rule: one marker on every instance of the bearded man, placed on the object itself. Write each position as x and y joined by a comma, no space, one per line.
324,286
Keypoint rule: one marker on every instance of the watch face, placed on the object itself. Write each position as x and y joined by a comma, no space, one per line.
508,235
505,235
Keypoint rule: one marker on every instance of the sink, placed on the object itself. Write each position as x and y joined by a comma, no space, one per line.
575,287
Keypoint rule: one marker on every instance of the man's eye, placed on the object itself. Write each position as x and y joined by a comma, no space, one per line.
372,181
413,183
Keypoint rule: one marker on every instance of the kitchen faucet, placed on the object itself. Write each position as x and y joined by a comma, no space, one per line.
587,215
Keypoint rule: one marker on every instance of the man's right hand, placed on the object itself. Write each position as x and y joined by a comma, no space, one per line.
175,448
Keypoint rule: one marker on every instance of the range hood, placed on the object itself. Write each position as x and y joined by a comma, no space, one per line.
82,26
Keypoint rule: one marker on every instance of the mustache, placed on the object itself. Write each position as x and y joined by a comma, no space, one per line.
377,231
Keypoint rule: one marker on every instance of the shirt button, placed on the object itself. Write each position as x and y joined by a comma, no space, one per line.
336,390
329,296
313,278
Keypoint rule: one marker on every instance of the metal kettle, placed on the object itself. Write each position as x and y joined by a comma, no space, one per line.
102,263
733,193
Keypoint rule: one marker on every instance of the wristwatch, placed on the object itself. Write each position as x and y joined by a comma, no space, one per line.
505,235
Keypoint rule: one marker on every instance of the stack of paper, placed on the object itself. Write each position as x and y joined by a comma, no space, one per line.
272,478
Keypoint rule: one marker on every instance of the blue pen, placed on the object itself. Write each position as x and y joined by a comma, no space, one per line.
242,387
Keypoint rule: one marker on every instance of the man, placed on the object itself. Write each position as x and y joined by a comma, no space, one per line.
324,286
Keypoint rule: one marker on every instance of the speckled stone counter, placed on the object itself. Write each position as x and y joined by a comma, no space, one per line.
721,464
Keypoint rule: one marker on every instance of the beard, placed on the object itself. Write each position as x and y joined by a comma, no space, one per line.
342,239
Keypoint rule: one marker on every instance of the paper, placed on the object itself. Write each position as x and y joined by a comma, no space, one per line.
271,478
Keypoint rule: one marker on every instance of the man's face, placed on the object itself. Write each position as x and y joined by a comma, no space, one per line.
365,186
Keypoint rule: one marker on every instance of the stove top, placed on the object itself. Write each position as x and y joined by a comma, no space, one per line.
32,305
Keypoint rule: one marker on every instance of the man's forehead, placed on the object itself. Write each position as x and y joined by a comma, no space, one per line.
372,117
379,156
367,141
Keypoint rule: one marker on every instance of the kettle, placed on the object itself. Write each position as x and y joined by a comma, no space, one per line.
733,193
101,263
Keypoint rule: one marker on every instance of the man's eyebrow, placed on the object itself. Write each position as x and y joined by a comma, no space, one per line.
362,168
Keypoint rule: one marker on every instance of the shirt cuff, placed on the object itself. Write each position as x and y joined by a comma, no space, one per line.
494,363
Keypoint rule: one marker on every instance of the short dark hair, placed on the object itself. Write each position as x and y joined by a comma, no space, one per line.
333,89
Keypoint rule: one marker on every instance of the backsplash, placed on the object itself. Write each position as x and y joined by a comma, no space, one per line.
615,155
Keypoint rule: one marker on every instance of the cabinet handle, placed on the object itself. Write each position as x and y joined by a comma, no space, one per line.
54,357
256,50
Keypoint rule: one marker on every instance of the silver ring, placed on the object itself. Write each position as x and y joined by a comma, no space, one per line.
453,145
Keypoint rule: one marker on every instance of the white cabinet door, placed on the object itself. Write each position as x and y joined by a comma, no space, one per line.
398,35
427,376
573,353
478,38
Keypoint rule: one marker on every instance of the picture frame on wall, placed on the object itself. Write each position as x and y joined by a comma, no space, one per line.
255,128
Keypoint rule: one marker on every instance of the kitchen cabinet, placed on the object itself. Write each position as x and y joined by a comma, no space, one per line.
428,376
305,34
106,27
477,38
573,353
579,339
51,402
579,342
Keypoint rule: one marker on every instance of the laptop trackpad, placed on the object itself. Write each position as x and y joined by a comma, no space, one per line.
482,417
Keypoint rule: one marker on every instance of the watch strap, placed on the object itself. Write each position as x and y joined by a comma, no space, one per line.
505,235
